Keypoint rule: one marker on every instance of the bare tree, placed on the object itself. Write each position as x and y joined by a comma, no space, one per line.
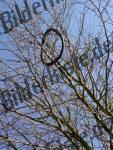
56,82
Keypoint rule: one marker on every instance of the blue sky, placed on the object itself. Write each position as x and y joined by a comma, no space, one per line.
92,25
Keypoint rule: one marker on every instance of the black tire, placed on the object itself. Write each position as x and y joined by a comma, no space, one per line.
62,47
